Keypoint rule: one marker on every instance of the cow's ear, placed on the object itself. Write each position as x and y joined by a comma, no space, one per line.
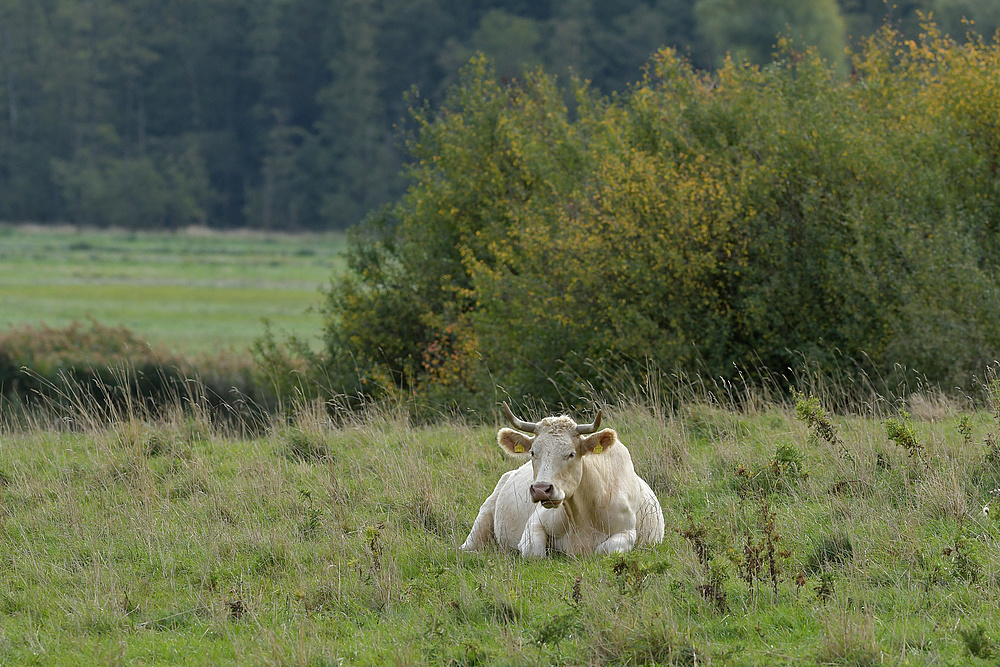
599,442
514,442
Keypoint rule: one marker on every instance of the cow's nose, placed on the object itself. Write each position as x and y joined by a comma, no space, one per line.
541,492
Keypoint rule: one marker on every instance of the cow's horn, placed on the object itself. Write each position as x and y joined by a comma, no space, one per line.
527,427
584,429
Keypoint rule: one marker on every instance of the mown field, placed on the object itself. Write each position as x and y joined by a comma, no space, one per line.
793,537
191,291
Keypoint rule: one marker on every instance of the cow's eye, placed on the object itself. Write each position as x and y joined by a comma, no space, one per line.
571,455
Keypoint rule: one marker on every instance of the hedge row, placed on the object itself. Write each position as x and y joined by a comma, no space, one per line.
101,373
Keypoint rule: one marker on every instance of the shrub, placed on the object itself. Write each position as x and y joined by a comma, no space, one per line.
702,220
110,373
903,432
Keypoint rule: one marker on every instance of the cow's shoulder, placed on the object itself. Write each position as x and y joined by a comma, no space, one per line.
614,464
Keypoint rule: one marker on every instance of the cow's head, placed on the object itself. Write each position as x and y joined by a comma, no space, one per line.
557,450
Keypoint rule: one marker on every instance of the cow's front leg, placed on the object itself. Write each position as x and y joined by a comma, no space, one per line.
534,539
621,542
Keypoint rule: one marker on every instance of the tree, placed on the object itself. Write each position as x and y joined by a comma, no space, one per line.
959,17
281,113
700,222
354,158
748,28
28,121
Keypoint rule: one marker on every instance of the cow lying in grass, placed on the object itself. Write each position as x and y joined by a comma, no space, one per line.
578,494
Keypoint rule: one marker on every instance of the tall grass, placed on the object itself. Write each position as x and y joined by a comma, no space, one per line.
329,536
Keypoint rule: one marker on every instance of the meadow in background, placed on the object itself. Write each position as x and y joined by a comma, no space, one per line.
182,311
189,291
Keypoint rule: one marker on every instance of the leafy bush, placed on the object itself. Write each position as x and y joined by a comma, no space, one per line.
111,373
700,221
903,432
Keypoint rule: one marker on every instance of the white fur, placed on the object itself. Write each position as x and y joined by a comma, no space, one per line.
604,506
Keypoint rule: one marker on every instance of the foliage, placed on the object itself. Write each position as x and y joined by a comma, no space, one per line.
39,362
280,114
700,221
109,371
134,192
810,411
747,30
289,369
903,432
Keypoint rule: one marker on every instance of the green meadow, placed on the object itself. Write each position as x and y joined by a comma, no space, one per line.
190,291
794,537
809,529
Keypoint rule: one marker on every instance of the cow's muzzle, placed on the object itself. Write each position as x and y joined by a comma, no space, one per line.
545,494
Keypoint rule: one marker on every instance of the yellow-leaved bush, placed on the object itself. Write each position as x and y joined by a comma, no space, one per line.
699,221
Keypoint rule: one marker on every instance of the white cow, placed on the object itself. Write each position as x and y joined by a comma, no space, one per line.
579,494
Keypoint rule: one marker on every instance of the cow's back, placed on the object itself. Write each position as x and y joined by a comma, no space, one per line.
649,517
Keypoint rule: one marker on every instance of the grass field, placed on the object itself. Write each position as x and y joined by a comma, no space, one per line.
793,537
191,291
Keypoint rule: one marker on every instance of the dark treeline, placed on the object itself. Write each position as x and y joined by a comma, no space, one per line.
280,114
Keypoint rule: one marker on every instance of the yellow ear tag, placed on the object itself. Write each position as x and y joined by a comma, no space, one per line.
597,449
519,449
